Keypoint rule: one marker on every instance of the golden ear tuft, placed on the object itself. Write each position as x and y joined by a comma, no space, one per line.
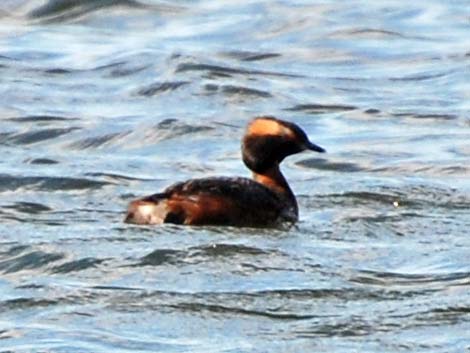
268,126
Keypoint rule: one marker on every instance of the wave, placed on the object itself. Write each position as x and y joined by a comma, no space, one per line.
35,136
42,183
64,10
32,260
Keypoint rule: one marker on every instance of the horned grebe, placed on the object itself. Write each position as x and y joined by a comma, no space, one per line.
265,200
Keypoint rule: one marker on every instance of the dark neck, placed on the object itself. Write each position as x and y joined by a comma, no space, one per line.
273,179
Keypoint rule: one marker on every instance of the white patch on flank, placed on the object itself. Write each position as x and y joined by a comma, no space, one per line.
149,213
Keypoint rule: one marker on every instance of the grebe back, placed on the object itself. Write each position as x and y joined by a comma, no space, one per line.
265,200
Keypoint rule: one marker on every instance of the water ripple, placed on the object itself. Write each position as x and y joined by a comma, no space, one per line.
331,165
29,207
241,91
391,279
43,161
217,70
201,308
160,87
200,253
24,303
77,265
31,137
315,108
99,141
41,119
171,128
161,257
63,10
99,94
29,261
12,183
250,56
436,116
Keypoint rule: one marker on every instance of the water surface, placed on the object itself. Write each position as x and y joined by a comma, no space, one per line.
104,101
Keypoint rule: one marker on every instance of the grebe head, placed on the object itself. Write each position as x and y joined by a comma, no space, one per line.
268,141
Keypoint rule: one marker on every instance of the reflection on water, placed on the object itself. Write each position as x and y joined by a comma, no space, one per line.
103,101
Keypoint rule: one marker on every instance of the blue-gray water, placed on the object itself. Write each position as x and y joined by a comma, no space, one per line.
104,101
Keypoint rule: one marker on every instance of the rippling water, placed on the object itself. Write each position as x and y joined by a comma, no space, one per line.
102,101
